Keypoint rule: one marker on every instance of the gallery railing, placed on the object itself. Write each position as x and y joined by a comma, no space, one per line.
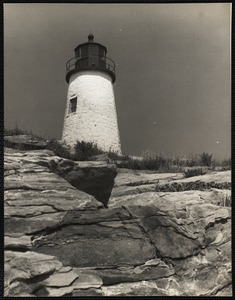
90,62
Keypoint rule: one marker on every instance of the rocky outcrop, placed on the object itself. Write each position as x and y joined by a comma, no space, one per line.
218,180
42,170
190,229
61,241
24,142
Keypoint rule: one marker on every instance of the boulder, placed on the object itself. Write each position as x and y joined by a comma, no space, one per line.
95,178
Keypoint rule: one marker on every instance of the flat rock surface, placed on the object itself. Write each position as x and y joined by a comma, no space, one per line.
161,234
99,245
136,178
24,142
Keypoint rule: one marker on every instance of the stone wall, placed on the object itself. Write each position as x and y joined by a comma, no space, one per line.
95,119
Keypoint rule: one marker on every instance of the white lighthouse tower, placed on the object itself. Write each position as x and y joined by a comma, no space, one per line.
90,113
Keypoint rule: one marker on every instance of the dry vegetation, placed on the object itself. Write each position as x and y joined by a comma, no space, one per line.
193,165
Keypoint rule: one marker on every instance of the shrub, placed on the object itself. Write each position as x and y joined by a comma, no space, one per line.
58,149
84,150
114,156
223,165
133,164
179,162
193,161
148,154
156,163
206,159
226,163
194,172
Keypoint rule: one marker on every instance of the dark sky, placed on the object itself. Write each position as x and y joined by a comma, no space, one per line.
173,87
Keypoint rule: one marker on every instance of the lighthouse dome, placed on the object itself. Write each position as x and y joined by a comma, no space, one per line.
90,37
90,56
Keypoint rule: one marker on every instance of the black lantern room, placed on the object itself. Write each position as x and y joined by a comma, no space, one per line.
90,56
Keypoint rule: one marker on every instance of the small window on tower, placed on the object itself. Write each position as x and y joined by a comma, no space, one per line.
73,105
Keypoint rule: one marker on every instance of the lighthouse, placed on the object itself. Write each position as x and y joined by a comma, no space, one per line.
90,113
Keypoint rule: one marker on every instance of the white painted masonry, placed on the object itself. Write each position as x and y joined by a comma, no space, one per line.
95,119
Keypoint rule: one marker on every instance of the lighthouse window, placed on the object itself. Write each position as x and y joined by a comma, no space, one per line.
73,104
93,50
84,51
